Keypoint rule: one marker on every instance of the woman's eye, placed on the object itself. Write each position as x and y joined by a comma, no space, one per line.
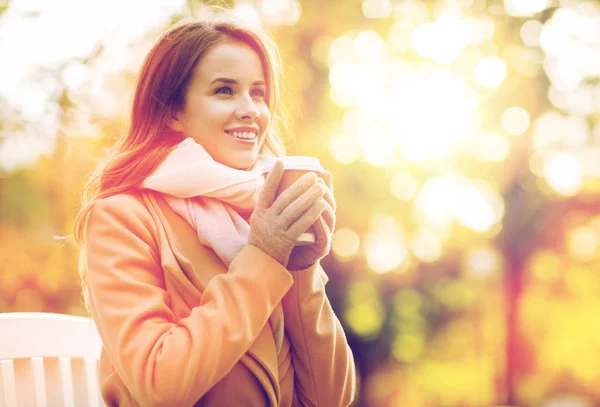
225,90
258,92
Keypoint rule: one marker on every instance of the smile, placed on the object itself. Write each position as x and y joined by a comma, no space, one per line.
245,137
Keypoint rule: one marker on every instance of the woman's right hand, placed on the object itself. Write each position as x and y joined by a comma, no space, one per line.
277,222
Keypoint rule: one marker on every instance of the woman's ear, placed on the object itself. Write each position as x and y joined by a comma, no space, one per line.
175,122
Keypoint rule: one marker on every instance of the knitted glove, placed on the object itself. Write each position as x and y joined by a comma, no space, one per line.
276,224
305,256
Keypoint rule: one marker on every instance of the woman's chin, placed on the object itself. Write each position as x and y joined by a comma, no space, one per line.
240,163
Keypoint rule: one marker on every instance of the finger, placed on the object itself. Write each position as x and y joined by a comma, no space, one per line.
329,216
294,210
322,231
326,175
328,196
307,219
271,184
291,193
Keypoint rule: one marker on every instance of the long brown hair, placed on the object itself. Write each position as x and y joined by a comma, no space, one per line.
160,91
163,80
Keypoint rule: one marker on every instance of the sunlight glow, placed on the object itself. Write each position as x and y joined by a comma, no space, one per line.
368,45
563,173
483,261
412,11
441,40
570,40
385,253
18,150
545,265
385,246
345,244
31,82
404,186
490,72
555,130
426,246
283,12
493,147
480,29
530,33
365,311
441,95
344,148
377,145
401,36
515,120
407,347
376,8
520,8
389,106
75,76
448,198
583,242
341,50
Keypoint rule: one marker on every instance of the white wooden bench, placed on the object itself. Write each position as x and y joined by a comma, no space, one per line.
48,360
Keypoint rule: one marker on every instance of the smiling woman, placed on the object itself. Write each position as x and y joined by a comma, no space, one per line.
188,259
225,110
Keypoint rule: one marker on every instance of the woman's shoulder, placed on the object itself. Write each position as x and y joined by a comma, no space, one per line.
125,208
128,200
122,218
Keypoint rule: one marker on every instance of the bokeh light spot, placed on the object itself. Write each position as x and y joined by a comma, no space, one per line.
404,186
545,265
515,120
364,311
482,261
368,45
345,243
563,173
426,246
283,12
490,72
376,8
530,32
520,8
385,254
493,147
408,348
344,148
583,242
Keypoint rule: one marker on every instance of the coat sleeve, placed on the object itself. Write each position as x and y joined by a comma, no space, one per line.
323,361
163,361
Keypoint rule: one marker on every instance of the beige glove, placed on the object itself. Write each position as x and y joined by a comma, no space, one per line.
305,256
276,224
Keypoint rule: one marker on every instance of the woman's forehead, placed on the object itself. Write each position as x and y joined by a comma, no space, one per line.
232,60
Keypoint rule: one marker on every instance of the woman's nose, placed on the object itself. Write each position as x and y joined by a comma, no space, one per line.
247,109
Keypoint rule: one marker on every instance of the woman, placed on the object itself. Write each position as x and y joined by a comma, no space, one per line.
188,261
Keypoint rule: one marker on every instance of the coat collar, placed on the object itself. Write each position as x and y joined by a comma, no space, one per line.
192,265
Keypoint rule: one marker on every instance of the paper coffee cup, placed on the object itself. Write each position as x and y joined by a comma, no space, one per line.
294,167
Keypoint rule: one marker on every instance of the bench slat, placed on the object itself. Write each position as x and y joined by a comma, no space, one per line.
91,377
8,381
66,378
39,381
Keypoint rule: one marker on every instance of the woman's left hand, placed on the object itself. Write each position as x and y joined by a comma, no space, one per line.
305,256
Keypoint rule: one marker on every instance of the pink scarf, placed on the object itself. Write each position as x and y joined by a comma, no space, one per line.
212,197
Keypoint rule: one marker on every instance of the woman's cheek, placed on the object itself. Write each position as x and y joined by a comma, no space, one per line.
265,115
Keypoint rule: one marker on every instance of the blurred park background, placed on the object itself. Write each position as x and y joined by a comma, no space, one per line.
464,141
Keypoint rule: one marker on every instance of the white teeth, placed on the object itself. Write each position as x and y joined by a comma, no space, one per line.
245,135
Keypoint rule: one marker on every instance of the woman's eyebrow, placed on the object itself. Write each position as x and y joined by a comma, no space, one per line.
234,82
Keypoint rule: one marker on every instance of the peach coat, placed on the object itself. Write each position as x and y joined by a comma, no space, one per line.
180,329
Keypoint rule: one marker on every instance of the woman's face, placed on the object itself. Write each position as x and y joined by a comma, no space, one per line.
225,108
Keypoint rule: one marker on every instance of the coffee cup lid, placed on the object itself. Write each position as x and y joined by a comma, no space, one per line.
296,162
